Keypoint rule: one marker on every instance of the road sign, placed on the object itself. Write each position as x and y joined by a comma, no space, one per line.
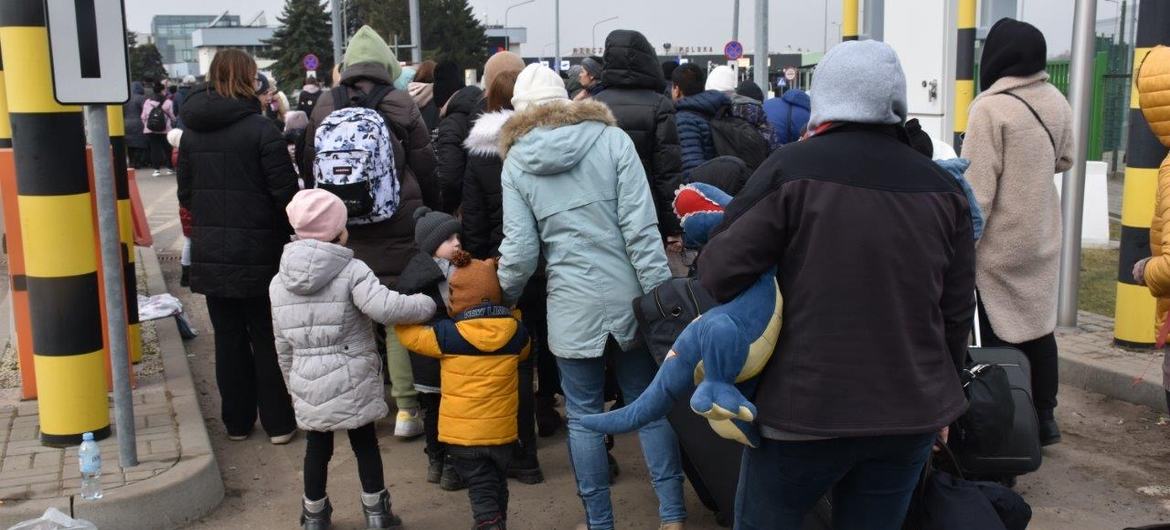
311,62
733,50
790,73
565,64
87,49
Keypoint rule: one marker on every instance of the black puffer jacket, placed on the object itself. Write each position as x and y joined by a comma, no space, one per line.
634,84
483,206
235,176
453,129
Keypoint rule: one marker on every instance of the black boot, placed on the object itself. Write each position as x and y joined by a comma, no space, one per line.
379,515
524,466
434,469
1049,432
548,420
185,277
316,520
450,479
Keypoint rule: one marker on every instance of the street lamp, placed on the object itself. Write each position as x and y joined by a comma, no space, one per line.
600,22
544,49
507,34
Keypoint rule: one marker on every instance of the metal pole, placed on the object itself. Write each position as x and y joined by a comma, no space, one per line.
557,33
508,34
600,22
825,27
762,45
735,21
335,17
97,133
415,33
1073,188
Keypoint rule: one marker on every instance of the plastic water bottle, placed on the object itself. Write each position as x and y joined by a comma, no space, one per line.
90,459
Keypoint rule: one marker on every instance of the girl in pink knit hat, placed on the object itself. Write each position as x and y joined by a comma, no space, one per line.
322,303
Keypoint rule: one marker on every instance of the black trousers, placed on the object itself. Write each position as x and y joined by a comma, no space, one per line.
246,371
319,450
1042,354
429,407
484,468
160,151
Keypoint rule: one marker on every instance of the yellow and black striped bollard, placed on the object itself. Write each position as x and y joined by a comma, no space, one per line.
964,69
1133,324
849,23
56,220
125,229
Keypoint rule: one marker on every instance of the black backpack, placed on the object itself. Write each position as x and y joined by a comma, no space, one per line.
307,100
156,121
734,136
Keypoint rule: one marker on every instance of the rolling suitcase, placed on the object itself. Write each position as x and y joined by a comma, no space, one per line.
1020,451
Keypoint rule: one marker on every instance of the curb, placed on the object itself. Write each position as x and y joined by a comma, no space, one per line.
187,491
1134,377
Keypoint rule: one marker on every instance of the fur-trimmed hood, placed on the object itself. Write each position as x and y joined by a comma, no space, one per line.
484,138
552,116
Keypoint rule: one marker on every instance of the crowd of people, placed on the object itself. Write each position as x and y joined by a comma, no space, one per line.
509,225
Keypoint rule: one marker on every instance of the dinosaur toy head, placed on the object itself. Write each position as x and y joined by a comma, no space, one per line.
700,209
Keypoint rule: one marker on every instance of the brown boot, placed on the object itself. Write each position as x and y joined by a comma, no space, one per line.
677,525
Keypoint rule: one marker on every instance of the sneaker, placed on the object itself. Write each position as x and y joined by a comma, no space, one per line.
525,469
450,479
378,514
548,420
156,173
282,439
185,277
237,437
497,523
435,470
316,520
408,424
676,525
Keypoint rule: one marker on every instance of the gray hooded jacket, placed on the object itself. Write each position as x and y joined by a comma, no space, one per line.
322,303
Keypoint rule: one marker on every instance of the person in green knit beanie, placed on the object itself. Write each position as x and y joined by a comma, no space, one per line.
386,245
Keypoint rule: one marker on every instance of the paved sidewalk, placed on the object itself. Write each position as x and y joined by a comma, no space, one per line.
177,479
1089,360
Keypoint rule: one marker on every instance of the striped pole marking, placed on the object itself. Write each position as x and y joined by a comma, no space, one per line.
849,25
125,229
964,70
56,221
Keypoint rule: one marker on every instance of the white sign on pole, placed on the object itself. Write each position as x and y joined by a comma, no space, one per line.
565,64
87,48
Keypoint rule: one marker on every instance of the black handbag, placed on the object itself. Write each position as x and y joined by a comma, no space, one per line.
990,412
946,501
663,313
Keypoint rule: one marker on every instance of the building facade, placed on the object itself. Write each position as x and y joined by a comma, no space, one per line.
172,35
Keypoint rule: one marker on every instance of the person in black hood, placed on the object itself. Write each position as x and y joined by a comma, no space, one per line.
235,177
457,116
749,88
1012,48
634,85
448,81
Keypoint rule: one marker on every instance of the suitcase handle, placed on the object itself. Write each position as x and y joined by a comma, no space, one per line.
978,333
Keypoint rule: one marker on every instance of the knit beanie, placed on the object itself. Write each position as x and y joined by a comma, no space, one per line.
174,137
473,282
537,84
499,63
859,82
366,46
432,228
316,214
723,79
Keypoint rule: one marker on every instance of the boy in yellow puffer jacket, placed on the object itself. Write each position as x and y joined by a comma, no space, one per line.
1153,86
479,350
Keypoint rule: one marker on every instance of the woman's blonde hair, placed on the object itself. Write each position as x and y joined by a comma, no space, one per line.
233,74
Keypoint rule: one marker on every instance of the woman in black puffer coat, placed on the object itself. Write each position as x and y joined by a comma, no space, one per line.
235,177
458,114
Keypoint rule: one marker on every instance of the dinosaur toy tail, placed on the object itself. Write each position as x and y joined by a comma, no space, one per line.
675,378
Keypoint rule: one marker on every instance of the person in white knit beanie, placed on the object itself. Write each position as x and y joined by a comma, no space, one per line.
537,84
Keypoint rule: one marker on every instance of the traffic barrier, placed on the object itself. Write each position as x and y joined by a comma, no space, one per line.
849,20
1134,323
56,221
125,230
964,70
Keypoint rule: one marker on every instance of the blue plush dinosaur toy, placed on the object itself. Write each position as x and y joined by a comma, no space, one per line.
721,352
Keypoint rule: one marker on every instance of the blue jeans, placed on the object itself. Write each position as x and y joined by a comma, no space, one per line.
583,383
872,479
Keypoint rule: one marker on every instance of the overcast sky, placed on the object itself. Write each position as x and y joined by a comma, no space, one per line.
795,23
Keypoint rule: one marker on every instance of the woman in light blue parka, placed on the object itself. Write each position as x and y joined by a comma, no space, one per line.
574,188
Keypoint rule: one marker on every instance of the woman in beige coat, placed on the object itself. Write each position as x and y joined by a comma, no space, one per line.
1017,138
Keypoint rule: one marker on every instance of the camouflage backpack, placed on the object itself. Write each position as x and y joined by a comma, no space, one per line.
355,159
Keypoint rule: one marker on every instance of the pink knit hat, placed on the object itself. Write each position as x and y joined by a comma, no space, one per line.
316,214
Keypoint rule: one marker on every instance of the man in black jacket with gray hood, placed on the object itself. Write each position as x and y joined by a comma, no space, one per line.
633,91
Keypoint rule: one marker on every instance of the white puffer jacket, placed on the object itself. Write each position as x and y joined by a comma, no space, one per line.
322,303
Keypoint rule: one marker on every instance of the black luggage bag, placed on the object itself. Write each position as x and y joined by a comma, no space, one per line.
1019,452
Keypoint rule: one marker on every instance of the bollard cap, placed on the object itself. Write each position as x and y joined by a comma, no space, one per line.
87,437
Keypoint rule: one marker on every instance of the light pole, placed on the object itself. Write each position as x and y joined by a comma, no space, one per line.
544,49
507,34
600,22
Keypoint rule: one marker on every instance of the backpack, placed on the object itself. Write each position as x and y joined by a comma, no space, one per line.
156,121
355,158
307,100
734,136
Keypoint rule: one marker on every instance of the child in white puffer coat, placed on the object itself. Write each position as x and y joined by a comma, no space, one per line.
322,303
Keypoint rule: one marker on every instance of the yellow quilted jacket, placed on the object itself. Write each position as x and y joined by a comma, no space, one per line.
479,352
1154,90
